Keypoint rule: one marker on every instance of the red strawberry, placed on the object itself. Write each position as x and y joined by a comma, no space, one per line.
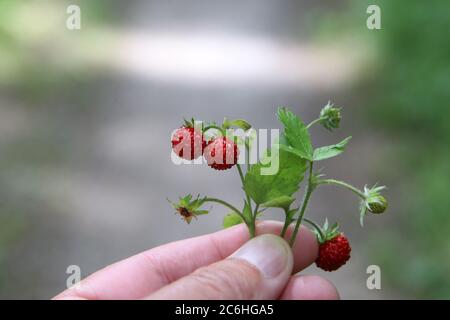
221,153
188,143
333,253
334,248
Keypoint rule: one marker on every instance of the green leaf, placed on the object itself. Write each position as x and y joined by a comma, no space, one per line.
290,149
231,219
283,140
263,187
296,133
330,151
283,202
239,123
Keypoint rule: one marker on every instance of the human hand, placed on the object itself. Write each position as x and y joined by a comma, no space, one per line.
222,265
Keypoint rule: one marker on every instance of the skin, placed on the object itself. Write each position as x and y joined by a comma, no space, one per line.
197,265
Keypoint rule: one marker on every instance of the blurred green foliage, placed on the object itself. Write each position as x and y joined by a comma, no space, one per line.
40,62
38,53
412,101
408,98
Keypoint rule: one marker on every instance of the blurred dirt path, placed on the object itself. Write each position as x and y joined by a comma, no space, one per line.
112,194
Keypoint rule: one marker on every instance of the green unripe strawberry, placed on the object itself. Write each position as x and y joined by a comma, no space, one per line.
372,202
377,205
330,116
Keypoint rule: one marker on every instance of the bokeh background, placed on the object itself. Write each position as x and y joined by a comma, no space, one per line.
86,117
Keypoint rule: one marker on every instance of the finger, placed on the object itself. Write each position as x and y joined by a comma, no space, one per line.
146,272
305,248
309,288
258,270
142,274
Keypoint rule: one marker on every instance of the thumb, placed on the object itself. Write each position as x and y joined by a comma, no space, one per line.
260,269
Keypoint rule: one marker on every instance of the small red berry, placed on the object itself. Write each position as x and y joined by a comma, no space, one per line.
333,253
188,143
221,153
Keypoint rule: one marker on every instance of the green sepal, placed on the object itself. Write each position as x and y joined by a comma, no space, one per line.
362,212
324,233
238,123
190,206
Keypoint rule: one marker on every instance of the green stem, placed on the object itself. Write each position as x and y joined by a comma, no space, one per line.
287,222
316,227
241,175
251,223
313,123
226,204
255,213
309,190
252,229
343,184
247,155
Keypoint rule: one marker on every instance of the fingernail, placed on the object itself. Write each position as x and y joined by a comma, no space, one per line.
269,253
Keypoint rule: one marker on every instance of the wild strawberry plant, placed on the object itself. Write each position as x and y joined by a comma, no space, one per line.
296,158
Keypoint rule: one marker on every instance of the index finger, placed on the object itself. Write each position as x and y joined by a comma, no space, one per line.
144,273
